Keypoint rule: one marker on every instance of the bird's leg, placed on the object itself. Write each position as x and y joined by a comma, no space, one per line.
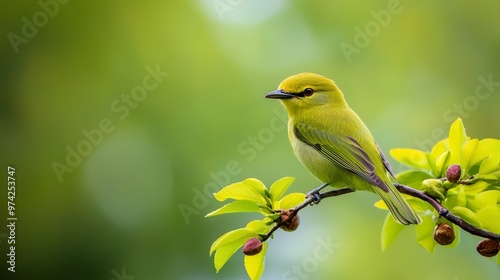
315,193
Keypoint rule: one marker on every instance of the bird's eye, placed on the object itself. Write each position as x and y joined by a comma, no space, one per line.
308,92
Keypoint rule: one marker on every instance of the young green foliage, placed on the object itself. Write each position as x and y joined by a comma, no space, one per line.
251,195
459,172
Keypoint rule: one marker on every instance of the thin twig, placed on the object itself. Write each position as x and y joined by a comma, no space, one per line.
310,199
442,211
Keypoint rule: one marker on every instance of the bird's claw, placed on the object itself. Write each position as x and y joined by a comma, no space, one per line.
317,198
316,194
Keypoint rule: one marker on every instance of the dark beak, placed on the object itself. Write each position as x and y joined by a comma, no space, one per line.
279,94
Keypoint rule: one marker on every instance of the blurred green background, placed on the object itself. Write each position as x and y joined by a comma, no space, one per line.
114,156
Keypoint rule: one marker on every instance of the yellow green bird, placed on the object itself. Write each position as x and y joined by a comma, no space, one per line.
334,144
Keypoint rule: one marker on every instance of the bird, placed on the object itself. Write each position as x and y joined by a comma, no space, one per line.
334,144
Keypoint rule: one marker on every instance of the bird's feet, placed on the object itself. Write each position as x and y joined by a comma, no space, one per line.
316,193
318,196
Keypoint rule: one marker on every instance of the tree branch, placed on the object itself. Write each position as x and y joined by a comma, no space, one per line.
312,198
443,212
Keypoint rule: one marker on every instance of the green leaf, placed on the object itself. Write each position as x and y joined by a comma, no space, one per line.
258,226
279,187
239,236
224,253
488,178
236,207
390,230
240,191
456,138
413,178
425,233
455,197
290,200
438,156
488,198
257,185
411,157
441,162
255,264
474,205
468,150
491,164
431,159
439,148
270,219
466,214
381,205
476,188
485,148
489,218
418,205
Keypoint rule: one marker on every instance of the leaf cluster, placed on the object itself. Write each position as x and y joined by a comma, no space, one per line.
251,195
474,197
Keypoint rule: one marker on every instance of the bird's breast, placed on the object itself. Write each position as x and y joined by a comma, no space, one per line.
316,163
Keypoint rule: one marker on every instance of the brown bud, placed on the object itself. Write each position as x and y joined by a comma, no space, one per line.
289,224
444,234
253,246
453,173
488,247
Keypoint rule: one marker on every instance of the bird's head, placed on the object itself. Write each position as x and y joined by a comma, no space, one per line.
308,90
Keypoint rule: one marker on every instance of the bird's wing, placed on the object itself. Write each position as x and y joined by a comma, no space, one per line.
342,151
387,165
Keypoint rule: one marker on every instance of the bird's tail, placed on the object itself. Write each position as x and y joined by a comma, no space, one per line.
400,209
